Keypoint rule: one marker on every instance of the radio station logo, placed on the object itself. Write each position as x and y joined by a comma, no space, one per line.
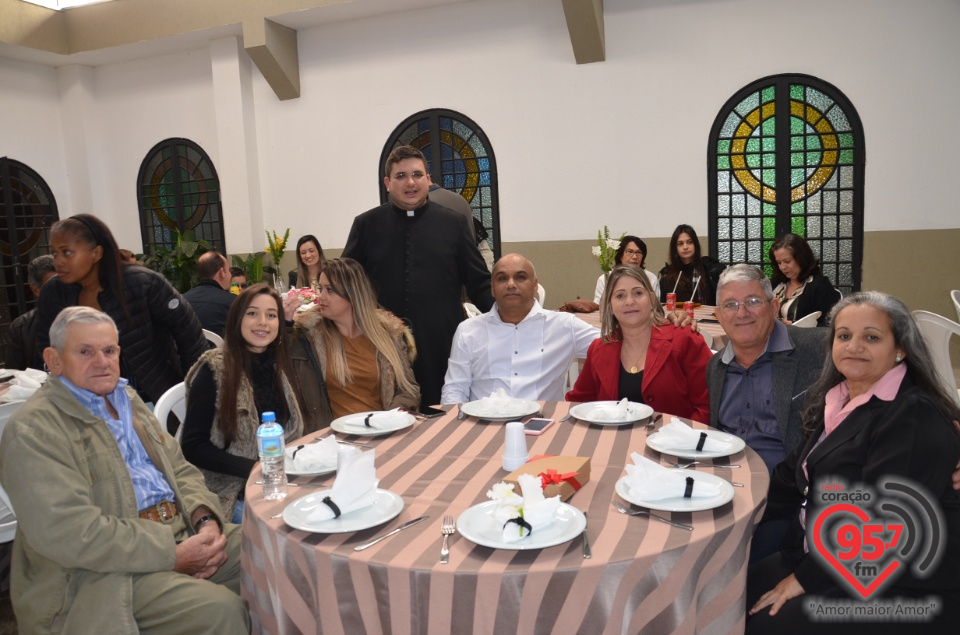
868,537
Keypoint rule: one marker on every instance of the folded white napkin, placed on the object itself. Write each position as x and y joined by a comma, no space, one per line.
354,489
498,404
17,393
650,481
384,420
620,411
23,384
534,512
313,457
677,435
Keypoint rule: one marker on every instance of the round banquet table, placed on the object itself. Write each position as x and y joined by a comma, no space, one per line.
644,577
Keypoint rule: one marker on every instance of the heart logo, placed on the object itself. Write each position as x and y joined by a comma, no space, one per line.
827,551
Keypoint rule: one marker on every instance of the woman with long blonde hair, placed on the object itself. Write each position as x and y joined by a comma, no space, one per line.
640,356
363,352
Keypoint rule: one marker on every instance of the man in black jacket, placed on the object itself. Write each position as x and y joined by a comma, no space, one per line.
210,299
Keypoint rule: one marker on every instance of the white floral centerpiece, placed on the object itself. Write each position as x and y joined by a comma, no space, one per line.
606,249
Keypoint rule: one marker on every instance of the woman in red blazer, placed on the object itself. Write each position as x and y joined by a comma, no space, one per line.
642,357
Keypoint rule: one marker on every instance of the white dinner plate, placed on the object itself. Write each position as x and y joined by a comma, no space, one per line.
681,504
478,526
387,506
324,468
637,412
518,408
736,445
353,424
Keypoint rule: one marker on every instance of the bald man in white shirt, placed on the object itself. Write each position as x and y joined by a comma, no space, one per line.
517,345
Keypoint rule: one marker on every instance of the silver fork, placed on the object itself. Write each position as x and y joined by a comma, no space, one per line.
446,528
643,512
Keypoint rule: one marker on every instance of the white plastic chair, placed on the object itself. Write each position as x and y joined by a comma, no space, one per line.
809,320
955,294
213,337
541,294
937,331
8,520
175,401
471,309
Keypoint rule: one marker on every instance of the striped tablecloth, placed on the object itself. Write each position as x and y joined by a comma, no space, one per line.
644,577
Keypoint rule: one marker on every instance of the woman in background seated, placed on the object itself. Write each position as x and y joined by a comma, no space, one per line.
641,357
797,281
309,260
688,269
362,353
632,251
230,388
877,410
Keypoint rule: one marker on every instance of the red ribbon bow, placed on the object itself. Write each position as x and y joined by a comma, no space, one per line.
551,476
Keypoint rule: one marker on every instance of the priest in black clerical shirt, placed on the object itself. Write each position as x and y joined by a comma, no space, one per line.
419,255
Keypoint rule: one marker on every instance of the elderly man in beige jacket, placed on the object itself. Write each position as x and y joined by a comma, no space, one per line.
116,531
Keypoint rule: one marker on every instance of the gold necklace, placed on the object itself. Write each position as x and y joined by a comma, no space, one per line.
633,367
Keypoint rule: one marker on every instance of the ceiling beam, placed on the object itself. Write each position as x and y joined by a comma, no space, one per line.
273,48
585,24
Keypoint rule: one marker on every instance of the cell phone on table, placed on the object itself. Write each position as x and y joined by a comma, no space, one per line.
430,413
536,426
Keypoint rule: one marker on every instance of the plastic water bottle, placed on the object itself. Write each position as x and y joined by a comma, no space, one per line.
270,446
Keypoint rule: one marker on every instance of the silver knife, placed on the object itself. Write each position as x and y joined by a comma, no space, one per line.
587,553
409,523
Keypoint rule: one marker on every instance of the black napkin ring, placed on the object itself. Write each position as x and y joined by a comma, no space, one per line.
366,420
329,503
523,524
703,439
294,455
688,492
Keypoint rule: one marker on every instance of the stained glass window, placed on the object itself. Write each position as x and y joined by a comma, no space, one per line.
459,158
27,210
786,155
178,190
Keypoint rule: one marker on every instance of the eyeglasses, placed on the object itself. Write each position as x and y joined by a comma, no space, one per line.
750,304
632,252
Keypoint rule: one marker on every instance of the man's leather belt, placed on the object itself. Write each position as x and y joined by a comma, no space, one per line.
163,512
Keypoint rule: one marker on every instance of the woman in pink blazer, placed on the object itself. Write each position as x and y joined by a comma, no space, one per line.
642,357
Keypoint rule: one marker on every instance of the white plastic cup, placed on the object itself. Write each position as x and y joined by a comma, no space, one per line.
514,446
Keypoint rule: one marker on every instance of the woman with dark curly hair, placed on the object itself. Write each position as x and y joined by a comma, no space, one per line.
797,281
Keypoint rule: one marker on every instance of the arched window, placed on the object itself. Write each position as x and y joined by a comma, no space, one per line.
28,209
460,159
178,190
786,154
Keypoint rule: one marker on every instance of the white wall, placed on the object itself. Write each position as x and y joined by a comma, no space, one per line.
621,143
30,130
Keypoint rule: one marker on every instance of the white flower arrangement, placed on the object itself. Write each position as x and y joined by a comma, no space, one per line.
605,251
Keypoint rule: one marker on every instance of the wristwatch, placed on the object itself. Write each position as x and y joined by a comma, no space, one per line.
205,519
